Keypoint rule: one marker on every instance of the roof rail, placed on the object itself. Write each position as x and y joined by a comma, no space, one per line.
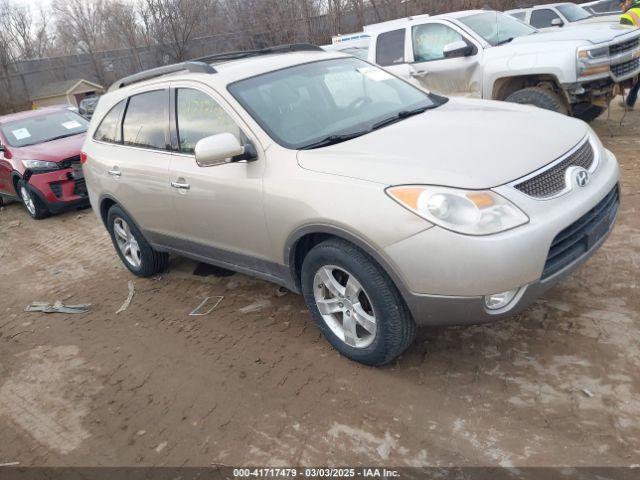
191,66
296,47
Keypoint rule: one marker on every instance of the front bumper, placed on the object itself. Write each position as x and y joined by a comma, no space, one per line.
60,189
445,276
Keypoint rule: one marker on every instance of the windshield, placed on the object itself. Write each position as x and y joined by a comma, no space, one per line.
43,128
497,28
573,12
302,105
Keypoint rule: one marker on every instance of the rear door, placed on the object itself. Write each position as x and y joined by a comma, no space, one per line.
130,161
219,208
448,76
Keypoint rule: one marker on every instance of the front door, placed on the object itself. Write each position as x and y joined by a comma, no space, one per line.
459,76
219,208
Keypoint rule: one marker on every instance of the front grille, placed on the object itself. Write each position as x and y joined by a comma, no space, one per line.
625,68
582,235
552,181
69,162
624,46
80,187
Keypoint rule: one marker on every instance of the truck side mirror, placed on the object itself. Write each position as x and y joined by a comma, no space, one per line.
457,49
557,22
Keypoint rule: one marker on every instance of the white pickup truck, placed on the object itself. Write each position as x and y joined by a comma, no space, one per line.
557,15
491,55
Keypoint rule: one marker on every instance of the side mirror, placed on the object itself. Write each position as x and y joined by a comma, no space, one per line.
557,22
457,49
222,148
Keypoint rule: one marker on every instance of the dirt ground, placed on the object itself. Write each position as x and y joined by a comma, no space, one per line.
254,383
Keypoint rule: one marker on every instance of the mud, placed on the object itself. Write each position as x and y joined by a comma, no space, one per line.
255,383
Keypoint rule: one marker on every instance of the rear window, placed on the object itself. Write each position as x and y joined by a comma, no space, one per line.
390,48
146,120
109,129
44,128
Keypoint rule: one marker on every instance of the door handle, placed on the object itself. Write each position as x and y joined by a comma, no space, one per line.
419,73
115,172
180,185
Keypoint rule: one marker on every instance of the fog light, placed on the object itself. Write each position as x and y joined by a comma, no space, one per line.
500,300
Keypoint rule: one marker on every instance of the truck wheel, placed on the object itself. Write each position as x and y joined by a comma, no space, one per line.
134,251
539,97
355,304
588,113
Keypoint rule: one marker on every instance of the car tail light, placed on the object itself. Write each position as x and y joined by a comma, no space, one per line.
83,158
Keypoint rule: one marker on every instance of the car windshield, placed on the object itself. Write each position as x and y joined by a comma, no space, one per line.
497,28
320,103
43,128
573,12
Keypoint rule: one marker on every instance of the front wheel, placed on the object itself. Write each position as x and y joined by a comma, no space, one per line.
355,304
134,251
539,97
31,201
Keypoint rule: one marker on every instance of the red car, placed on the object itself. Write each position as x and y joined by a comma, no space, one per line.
40,160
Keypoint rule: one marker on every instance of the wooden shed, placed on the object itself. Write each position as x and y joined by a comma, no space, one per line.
66,92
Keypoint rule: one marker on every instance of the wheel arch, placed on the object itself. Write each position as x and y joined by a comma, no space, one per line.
505,86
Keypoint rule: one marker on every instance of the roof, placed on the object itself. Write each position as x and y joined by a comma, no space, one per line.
64,87
30,113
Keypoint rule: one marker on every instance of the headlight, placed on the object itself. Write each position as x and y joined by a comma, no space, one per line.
40,165
471,212
593,61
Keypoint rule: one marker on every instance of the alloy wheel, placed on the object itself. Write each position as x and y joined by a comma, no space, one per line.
127,243
345,306
28,200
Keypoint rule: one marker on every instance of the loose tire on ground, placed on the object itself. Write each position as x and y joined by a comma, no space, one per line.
151,262
32,203
395,329
539,97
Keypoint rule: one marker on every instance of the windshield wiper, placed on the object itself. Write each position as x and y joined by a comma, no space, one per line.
400,116
333,139
60,136
506,40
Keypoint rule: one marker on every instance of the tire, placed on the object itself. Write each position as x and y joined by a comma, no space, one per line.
143,260
394,328
31,201
539,97
588,114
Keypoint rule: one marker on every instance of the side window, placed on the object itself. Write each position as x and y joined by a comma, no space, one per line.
429,41
390,48
198,116
146,120
543,18
519,15
109,129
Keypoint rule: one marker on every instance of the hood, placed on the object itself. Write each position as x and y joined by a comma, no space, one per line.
587,32
464,143
601,19
54,151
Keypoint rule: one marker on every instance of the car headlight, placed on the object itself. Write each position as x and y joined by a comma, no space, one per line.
40,165
593,61
471,212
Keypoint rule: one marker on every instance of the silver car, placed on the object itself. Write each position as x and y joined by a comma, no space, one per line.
386,206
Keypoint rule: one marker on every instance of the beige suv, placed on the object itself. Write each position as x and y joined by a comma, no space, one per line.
384,205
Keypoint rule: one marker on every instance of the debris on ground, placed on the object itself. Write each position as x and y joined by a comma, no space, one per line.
126,303
57,307
281,291
587,392
9,464
256,306
198,310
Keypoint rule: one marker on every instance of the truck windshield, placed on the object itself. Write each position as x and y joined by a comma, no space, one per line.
321,103
43,128
573,12
497,28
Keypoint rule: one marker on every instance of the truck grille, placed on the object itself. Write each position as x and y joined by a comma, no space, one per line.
552,181
624,46
622,69
582,235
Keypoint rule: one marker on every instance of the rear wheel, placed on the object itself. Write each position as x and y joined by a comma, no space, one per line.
539,97
134,251
355,304
31,201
